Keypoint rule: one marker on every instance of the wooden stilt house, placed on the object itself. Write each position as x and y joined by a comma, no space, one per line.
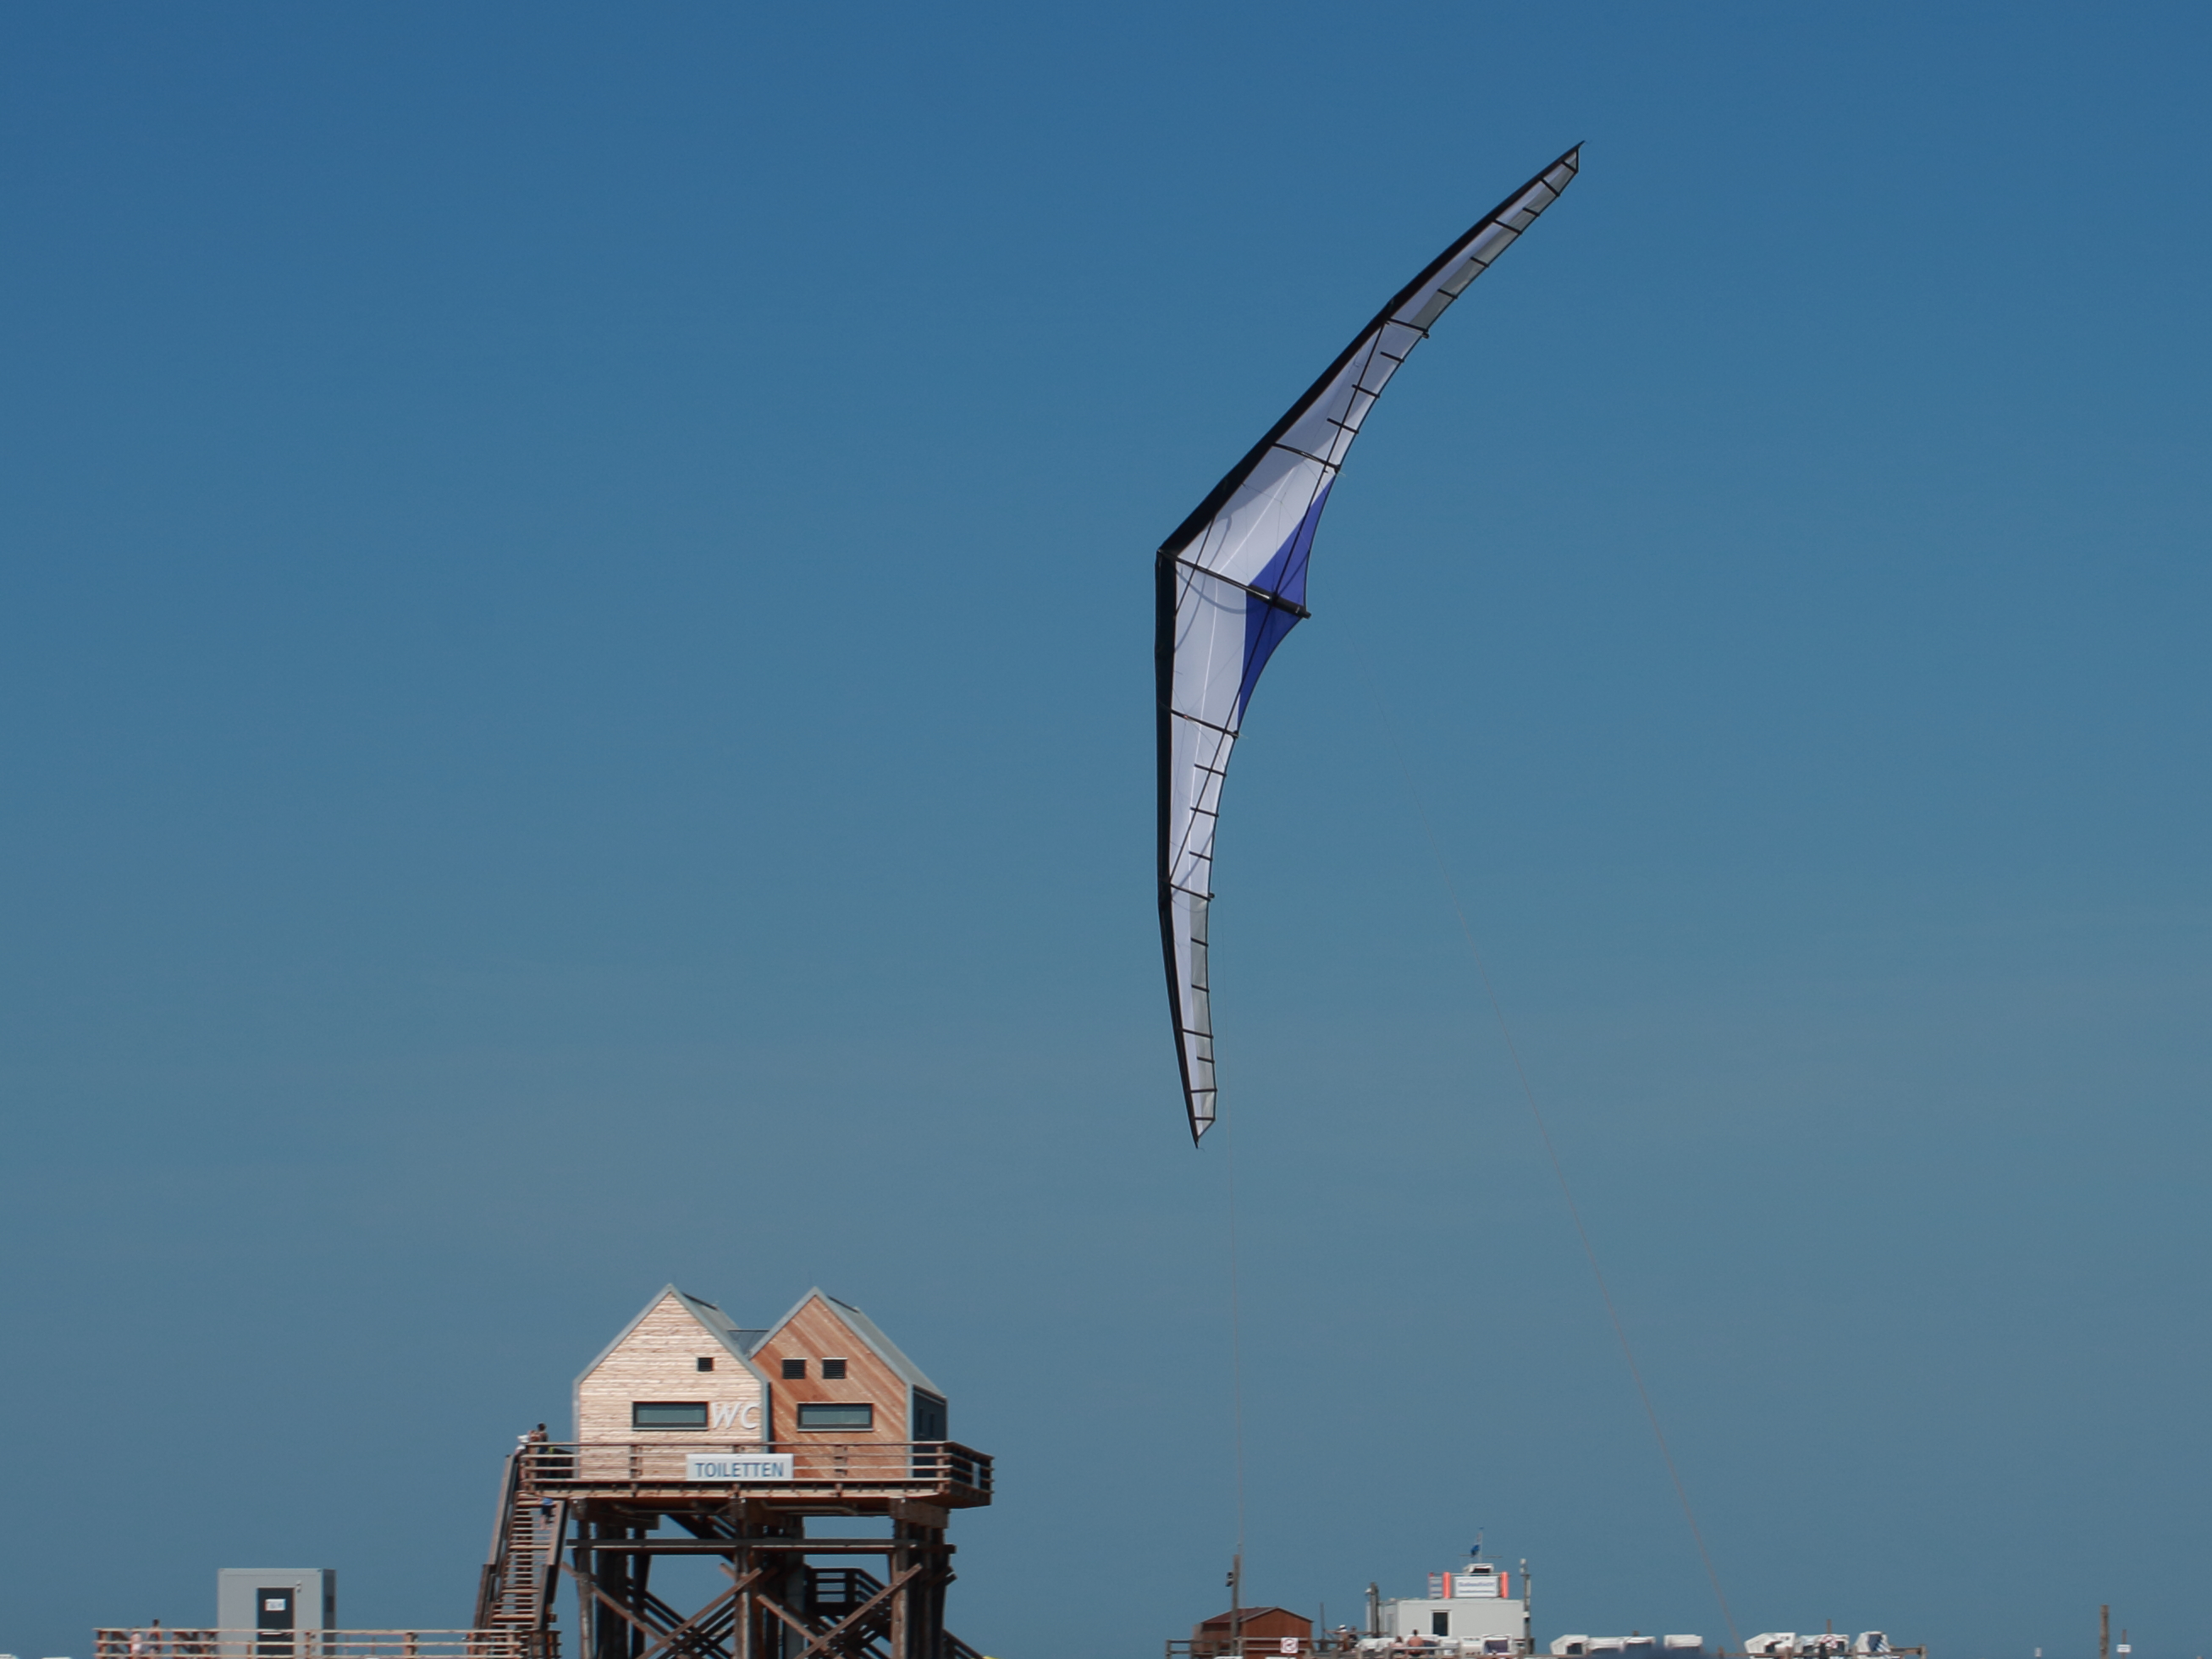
696,1436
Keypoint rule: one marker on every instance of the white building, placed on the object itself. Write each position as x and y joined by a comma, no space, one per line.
1476,1604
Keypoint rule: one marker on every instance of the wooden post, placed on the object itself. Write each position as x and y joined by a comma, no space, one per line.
902,1557
939,1576
585,1648
742,1639
2105,1631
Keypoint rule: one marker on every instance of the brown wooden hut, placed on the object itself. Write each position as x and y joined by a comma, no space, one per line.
1260,1627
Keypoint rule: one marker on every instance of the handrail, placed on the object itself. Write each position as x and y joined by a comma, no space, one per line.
814,1461
491,1583
161,1642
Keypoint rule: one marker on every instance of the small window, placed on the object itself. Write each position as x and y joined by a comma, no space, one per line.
1440,1624
706,1362
668,1414
793,1369
823,1415
833,1370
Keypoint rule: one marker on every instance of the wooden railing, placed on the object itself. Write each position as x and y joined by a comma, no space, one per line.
1306,1647
158,1642
814,1463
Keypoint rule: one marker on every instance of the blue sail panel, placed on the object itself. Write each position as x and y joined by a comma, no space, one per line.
1265,626
1269,615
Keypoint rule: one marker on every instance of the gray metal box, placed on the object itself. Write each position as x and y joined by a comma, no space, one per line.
260,1609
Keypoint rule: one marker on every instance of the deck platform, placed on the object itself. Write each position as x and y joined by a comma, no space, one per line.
600,1513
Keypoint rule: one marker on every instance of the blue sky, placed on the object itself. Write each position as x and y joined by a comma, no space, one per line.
575,699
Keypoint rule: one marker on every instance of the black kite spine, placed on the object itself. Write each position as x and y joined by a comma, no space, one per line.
1202,515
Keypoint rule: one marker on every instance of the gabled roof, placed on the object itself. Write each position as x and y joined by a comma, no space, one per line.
716,1323
865,1328
1246,1615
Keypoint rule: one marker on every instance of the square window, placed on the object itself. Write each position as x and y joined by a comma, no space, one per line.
793,1369
668,1414
833,1370
838,1416
706,1362
1440,1624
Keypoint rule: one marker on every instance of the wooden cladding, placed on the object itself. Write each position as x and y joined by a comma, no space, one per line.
682,1368
796,1353
655,1365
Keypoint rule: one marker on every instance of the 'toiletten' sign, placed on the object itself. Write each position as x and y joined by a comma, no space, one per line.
737,1466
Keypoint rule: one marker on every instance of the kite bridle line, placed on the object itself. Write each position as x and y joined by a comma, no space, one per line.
1544,1133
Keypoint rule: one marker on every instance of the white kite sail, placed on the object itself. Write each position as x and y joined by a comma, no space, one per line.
1232,583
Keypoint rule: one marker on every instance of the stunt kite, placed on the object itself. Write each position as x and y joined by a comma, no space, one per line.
1231,583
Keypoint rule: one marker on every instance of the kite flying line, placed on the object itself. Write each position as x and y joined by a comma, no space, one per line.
1544,1134
1235,1375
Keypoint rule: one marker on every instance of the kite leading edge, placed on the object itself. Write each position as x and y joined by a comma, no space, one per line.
1231,583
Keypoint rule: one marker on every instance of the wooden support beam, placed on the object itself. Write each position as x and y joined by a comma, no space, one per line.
902,1561
820,1641
783,1613
825,1642
608,1601
583,1598
727,1596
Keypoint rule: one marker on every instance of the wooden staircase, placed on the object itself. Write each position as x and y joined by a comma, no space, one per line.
514,1596
834,1594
